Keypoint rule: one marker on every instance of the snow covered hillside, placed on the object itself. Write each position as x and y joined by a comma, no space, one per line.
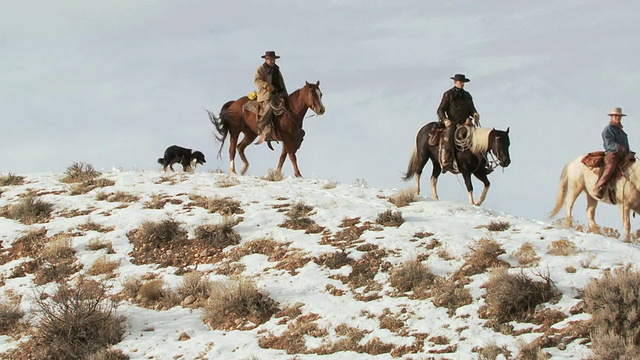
211,266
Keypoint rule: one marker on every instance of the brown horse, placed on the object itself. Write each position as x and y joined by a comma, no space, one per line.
234,119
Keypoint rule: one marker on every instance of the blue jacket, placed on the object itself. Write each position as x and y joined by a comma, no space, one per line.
614,138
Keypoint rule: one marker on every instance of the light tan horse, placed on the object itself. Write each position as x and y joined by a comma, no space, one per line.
577,177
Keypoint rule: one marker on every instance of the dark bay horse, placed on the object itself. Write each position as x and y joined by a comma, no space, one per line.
234,120
471,159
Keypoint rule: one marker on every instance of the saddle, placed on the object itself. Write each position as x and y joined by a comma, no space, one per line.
254,107
595,161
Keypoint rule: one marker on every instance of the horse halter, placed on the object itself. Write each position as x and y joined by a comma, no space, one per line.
495,153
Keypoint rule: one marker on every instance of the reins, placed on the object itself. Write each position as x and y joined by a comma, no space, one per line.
464,143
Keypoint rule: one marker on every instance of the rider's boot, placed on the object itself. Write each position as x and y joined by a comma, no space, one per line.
265,129
610,166
446,150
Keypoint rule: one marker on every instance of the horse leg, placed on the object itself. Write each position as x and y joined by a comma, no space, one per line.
294,161
422,162
283,156
572,195
591,212
467,181
233,143
248,139
482,176
626,221
435,172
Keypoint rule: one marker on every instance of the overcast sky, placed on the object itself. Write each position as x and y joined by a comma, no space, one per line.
113,83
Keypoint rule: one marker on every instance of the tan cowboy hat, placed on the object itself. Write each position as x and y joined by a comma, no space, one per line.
271,54
460,77
616,111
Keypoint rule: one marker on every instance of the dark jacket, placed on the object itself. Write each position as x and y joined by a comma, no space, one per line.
614,139
457,105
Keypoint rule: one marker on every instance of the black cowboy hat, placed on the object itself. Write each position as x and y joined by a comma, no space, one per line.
460,77
271,54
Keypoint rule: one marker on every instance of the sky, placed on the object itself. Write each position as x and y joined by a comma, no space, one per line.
457,227
115,83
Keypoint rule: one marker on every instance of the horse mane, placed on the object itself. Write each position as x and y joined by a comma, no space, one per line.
480,140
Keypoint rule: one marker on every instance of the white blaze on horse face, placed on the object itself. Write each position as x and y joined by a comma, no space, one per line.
319,95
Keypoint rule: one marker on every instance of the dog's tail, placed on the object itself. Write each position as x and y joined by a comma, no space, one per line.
221,124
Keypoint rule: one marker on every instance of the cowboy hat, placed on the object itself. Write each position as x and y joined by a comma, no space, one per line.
460,77
271,54
616,111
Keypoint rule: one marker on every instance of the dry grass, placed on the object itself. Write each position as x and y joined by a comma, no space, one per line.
450,294
88,185
90,225
238,305
195,284
156,234
298,219
10,314
104,266
562,247
30,210
99,244
108,354
514,297
274,175
220,205
330,185
530,351
390,218
498,226
220,235
118,196
484,255
11,180
334,260
77,321
154,295
56,260
130,287
491,351
526,255
614,304
411,276
605,231
403,197
79,172
227,181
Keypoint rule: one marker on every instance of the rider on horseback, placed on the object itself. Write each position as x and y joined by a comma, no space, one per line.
616,146
456,108
270,86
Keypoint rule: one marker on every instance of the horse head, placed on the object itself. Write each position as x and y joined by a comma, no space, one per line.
313,97
500,146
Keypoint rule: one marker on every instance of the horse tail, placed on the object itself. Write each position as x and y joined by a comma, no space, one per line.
412,168
221,124
562,192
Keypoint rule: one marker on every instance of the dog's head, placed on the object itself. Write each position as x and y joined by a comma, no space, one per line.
198,156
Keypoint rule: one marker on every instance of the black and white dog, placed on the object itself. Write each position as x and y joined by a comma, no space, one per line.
177,154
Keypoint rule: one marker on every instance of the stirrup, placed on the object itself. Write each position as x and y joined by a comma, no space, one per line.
261,139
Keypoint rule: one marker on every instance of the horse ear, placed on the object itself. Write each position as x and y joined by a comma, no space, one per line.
507,130
318,83
306,82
